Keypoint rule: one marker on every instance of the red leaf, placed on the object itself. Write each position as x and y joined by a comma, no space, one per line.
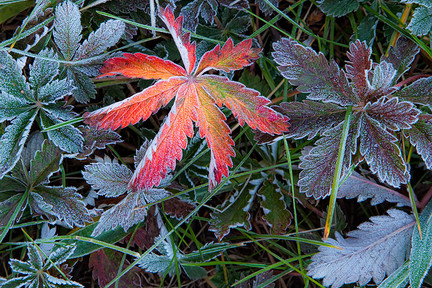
197,98
139,106
182,41
141,66
105,264
240,56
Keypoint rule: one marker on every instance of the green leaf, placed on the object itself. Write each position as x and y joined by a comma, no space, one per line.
67,28
338,8
277,216
12,141
421,22
109,179
107,35
85,88
366,30
235,212
426,3
59,255
67,138
45,163
61,203
11,106
398,279
7,208
43,71
11,80
53,91
421,252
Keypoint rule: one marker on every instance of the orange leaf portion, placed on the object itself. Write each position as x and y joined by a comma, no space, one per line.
140,65
167,146
137,107
230,57
182,41
212,126
246,104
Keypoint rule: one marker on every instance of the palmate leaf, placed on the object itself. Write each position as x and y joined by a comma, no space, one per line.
420,135
358,66
197,98
310,71
319,164
376,249
96,139
381,153
11,80
363,188
44,164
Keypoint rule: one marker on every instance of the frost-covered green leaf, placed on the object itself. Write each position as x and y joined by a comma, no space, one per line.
11,80
130,211
67,29
85,88
363,188
106,36
402,55
62,204
426,3
373,251
235,211
421,252
366,30
276,214
45,163
7,208
338,8
421,22
36,269
398,279
67,138
12,141
43,71
11,106
382,154
265,7
420,136
53,91
108,178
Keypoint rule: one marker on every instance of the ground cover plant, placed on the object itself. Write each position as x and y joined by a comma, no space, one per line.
215,143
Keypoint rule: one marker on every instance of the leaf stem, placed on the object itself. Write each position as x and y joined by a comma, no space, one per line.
338,172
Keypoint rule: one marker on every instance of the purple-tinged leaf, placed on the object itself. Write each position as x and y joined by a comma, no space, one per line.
311,72
206,8
358,66
381,153
276,214
358,186
374,250
308,118
96,139
402,55
392,114
318,167
59,203
177,207
420,135
418,92
235,211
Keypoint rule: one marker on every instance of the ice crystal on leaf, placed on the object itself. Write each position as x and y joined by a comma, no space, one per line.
198,98
379,110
